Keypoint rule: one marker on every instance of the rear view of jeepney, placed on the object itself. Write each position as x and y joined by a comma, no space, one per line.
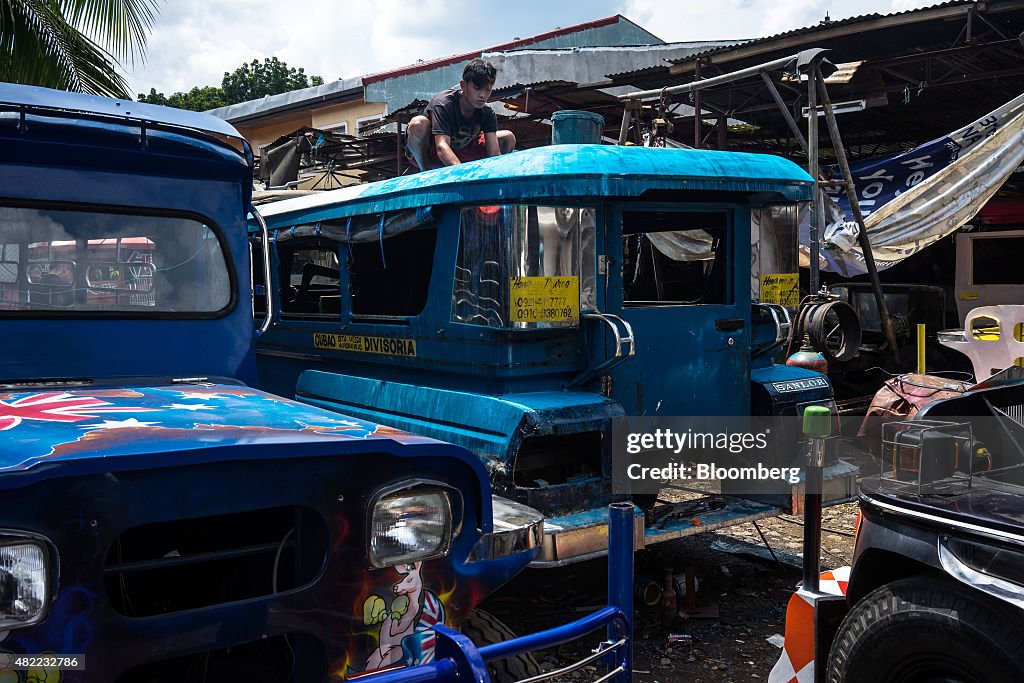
519,305
160,520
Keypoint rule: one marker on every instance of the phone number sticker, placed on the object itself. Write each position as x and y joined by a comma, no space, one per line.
780,288
544,299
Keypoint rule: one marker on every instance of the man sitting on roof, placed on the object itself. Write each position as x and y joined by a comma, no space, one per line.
457,125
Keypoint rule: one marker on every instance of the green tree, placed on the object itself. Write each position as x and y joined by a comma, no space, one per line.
73,44
254,80
248,82
196,99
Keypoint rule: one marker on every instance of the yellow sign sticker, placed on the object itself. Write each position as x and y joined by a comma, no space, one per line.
544,299
780,288
383,345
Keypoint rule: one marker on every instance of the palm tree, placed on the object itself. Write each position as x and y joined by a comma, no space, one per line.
73,44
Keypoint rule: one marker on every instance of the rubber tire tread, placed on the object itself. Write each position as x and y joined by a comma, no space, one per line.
927,612
483,628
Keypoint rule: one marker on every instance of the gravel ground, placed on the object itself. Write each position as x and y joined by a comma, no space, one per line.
750,592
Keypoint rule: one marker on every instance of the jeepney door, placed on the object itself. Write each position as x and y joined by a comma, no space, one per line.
679,277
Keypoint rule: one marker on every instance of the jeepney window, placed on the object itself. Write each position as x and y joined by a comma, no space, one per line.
774,244
91,261
524,267
995,260
675,258
387,261
309,278
390,272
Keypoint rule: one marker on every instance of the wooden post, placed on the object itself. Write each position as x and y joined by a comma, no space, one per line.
851,195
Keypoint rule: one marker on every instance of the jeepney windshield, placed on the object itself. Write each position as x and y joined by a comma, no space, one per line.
92,261
524,267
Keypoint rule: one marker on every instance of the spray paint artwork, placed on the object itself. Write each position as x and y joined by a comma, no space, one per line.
407,624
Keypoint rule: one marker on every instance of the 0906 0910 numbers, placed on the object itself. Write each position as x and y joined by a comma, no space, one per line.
543,314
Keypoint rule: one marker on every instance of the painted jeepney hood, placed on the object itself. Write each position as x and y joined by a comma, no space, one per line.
85,467
68,150
106,429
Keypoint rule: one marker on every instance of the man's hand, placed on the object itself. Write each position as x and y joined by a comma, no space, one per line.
443,145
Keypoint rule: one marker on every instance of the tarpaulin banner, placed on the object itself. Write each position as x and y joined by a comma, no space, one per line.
913,199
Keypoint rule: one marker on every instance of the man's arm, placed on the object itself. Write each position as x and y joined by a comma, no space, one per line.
443,145
491,144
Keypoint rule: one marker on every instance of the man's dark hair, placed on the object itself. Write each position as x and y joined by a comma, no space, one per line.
479,73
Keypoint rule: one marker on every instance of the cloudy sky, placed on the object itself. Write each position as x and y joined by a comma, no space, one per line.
195,41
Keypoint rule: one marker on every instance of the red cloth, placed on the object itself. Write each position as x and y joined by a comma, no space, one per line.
471,152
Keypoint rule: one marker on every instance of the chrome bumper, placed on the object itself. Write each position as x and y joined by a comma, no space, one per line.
581,536
517,529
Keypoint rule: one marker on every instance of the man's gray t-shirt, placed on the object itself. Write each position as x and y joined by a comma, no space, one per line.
446,119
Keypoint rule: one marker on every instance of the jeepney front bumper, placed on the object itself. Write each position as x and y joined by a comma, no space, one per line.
584,535
581,536
517,528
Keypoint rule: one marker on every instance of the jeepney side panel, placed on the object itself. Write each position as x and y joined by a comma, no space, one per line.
426,348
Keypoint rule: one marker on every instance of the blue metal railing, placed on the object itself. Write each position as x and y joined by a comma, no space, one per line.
458,657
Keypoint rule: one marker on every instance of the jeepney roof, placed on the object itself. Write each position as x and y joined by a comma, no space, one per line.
556,171
12,95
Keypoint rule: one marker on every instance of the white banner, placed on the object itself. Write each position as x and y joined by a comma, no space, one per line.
916,198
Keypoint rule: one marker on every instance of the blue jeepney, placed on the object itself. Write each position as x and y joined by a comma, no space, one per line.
162,520
518,305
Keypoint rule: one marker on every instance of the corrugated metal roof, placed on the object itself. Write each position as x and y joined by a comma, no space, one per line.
294,99
511,45
713,47
395,89
583,64
822,26
542,68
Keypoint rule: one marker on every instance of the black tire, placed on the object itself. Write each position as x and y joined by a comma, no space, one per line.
484,628
928,629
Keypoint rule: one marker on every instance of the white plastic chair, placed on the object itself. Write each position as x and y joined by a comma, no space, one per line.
989,351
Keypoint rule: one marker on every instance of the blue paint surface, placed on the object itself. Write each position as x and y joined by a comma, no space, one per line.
121,109
159,426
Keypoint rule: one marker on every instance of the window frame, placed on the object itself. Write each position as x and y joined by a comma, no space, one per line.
141,314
